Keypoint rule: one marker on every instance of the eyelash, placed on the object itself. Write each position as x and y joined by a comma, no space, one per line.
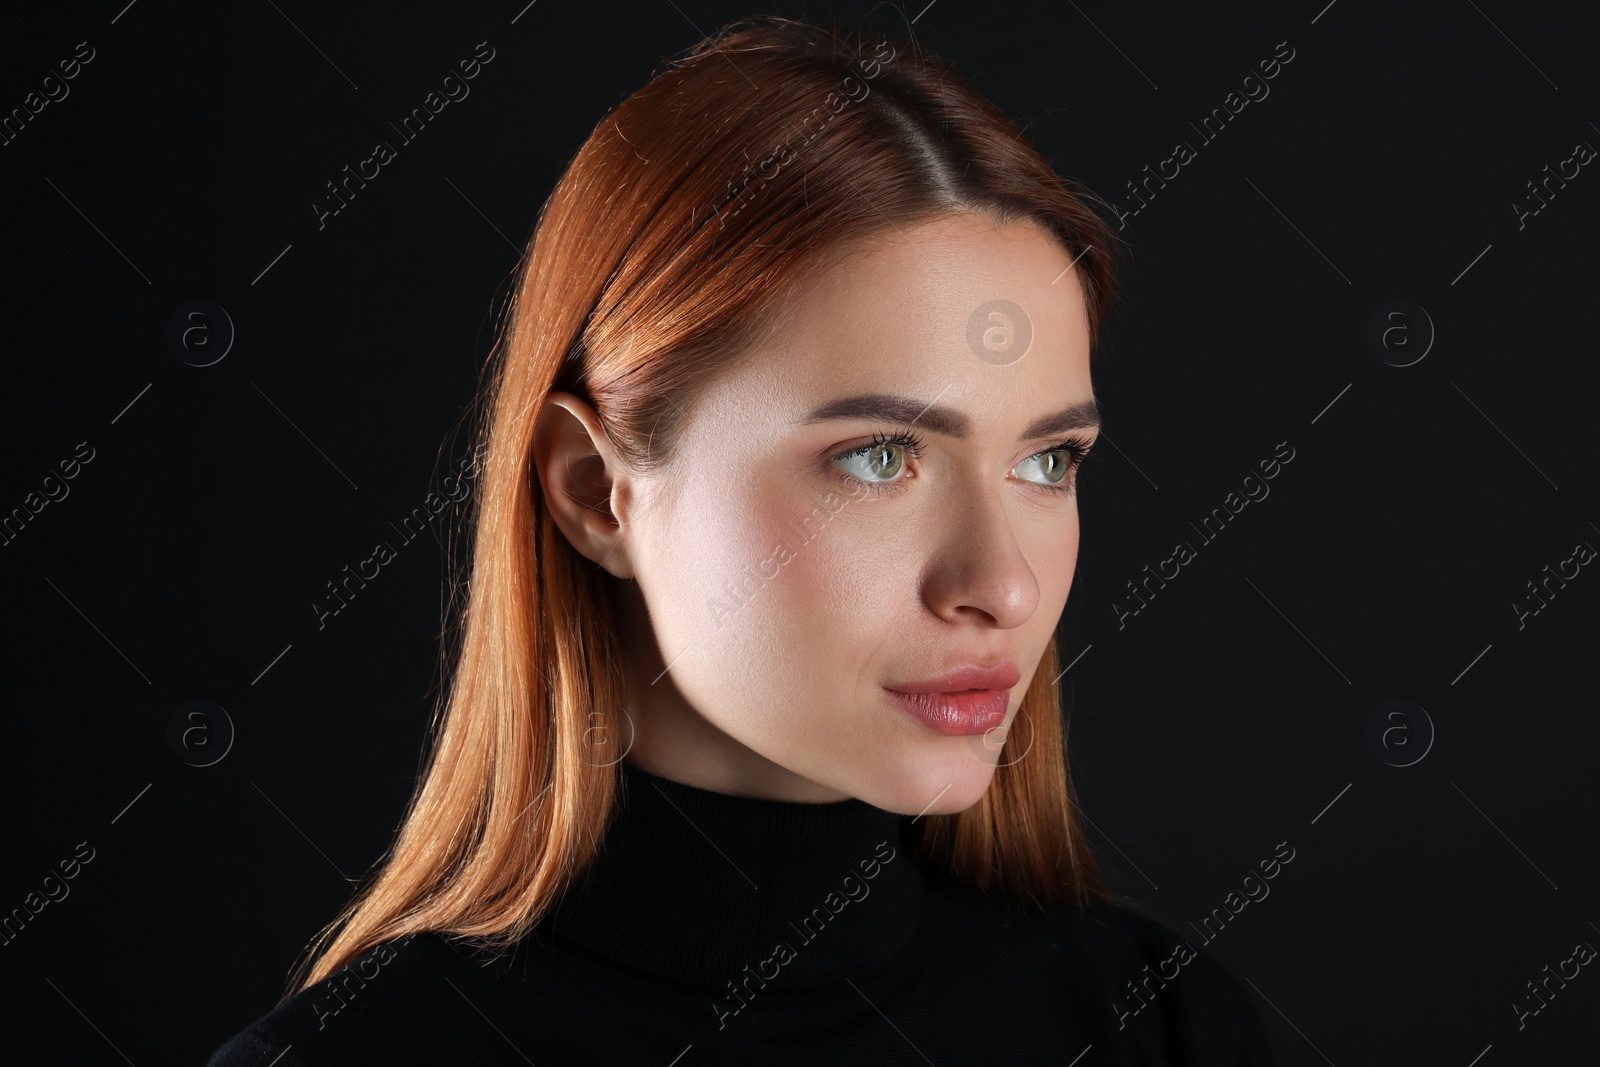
1076,447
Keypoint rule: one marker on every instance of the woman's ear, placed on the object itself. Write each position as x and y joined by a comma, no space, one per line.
583,484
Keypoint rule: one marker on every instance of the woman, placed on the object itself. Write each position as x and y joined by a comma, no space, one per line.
753,752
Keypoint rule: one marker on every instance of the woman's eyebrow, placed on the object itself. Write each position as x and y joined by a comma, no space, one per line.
944,420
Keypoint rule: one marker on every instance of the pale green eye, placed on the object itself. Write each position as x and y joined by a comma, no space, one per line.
1054,465
874,463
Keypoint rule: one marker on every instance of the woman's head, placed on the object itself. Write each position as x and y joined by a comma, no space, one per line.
700,532
861,500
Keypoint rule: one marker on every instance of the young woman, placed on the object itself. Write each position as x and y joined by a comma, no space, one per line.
753,752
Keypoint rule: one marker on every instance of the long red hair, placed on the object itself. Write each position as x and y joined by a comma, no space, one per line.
747,164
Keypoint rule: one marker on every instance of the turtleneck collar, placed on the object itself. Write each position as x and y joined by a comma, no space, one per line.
706,889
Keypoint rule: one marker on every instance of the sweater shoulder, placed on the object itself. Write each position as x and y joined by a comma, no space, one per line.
1152,995
1159,989
385,996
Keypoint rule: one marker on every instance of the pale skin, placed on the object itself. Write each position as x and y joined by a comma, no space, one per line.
919,563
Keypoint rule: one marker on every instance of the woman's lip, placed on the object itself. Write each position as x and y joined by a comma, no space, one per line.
975,711
966,677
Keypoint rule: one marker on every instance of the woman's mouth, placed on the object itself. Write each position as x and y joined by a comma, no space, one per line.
970,711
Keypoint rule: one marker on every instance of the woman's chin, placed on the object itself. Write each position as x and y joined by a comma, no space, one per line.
935,784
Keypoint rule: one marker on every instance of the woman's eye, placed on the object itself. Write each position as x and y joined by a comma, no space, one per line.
1053,467
875,462
885,463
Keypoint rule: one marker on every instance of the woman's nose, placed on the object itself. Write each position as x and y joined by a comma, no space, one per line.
977,566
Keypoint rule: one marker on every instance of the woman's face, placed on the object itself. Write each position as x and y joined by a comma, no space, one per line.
874,500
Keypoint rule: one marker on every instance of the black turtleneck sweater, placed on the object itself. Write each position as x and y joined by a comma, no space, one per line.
713,929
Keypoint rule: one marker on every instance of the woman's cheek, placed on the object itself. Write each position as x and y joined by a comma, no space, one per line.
853,585
1056,567
698,567
740,561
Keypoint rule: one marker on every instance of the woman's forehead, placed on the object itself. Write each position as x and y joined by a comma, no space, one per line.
964,287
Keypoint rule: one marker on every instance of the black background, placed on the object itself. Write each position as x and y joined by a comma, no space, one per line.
1229,715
